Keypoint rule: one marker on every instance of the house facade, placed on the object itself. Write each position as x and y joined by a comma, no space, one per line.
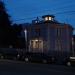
49,36
73,46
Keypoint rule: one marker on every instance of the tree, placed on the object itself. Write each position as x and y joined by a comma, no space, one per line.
9,35
5,27
17,28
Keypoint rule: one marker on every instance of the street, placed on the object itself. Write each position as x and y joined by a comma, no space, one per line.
8,67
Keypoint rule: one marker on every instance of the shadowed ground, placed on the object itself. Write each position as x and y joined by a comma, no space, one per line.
8,67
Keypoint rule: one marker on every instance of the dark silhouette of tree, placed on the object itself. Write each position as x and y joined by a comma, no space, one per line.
17,28
17,33
9,34
5,27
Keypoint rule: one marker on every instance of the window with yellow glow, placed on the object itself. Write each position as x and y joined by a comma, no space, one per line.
36,44
46,18
50,18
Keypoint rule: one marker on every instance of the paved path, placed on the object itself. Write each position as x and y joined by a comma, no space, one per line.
21,68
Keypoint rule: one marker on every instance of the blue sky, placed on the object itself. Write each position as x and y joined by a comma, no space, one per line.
28,9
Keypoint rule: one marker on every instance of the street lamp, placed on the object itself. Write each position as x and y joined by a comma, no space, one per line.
25,32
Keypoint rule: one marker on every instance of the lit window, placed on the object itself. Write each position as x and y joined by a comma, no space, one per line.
46,18
37,44
36,21
50,18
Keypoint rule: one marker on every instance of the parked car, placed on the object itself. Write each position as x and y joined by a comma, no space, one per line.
72,61
8,53
38,58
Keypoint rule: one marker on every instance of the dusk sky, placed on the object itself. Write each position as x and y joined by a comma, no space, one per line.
22,11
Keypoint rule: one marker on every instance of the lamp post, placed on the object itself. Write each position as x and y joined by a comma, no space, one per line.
25,32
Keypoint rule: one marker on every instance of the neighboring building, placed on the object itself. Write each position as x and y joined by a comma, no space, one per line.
49,36
73,46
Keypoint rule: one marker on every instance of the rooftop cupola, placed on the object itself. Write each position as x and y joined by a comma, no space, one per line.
48,17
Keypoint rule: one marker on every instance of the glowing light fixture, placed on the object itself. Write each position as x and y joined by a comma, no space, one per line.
48,17
36,40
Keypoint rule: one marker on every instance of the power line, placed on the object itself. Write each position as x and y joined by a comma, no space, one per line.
66,6
47,10
65,12
51,10
40,16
